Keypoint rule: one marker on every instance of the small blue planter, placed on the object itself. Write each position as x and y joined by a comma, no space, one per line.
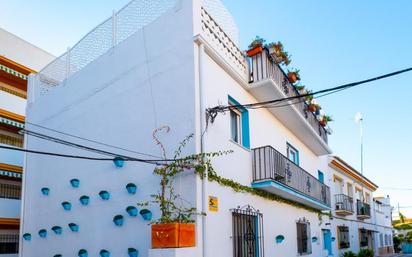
74,227
280,238
314,239
132,211
118,220
333,239
84,200
57,230
57,255
104,253
317,112
83,253
146,214
104,195
27,236
131,188
45,191
43,233
133,252
67,206
75,183
118,162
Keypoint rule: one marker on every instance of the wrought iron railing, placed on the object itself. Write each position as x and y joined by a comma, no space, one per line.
269,164
10,191
343,203
9,244
362,208
262,67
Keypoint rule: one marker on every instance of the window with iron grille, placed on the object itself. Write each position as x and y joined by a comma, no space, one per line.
304,239
247,232
9,244
363,234
343,237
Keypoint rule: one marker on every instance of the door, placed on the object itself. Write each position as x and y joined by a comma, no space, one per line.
327,241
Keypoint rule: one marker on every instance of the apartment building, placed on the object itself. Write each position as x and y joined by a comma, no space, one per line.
18,59
361,220
142,77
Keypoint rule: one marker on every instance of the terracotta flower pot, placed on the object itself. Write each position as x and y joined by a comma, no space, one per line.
254,51
323,123
312,107
173,235
293,77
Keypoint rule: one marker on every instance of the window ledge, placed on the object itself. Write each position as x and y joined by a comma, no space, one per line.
239,145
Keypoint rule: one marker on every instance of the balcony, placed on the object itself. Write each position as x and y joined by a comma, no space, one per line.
343,205
363,210
269,82
275,173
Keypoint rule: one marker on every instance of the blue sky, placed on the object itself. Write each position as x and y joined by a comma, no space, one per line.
331,42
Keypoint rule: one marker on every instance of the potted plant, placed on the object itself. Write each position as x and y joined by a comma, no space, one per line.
131,188
132,252
293,75
57,229
118,162
45,191
146,214
278,54
104,253
83,253
43,233
27,236
75,182
324,119
301,89
67,206
74,227
176,225
104,195
256,46
84,200
132,211
308,97
118,220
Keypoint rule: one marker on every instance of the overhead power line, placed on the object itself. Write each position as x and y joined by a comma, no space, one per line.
90,140
212,112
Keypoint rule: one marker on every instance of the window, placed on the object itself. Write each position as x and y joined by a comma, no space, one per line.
363,237
247,232
381,239
321,176
343,237
9,244
292,154
350,190
239,123
304,240
386,240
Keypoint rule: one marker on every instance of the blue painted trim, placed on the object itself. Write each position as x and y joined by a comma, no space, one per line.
245,122
289,190
296,150
321,176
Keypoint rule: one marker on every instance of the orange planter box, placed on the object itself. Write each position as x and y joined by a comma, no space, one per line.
254,51
174,235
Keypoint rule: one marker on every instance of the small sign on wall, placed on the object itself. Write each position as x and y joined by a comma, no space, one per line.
213,203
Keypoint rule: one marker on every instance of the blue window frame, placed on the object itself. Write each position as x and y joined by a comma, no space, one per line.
321,176
292,153
239,123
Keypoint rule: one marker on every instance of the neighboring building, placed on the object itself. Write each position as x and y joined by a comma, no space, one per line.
361,220
166,66
18,58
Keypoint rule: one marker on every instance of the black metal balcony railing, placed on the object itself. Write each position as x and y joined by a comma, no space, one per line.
262,67
269,164
10,191
363,209
343,203
9,244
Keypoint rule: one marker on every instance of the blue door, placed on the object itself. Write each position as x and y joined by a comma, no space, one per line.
327,241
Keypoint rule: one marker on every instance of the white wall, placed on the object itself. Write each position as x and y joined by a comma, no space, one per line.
11,157
10,208
22,52
112,100
12,103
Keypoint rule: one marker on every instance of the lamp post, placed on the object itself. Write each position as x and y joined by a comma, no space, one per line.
359,120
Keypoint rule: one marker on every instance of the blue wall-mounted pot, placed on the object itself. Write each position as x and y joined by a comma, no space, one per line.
333,239
118,220
146,214
280,238
57,230
84,200
118,162
131,188
314,239
75,182
104,253
83,253
57,255
27,236
67,206
43,233
73,227
104,195
45,191
132,211
133,252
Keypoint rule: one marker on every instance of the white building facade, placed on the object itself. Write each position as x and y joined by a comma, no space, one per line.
169,68
18,58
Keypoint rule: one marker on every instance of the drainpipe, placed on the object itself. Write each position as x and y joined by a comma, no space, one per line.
202,127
